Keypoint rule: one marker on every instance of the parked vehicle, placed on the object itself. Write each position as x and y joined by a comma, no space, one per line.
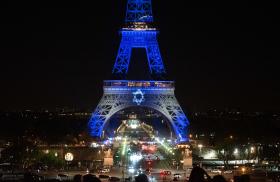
63,177
104,170
177,175
227,171
112,179
102,176
218,171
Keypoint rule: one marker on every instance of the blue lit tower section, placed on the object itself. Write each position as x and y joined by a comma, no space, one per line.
138,33
139,11
157,95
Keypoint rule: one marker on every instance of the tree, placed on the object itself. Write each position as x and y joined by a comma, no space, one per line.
22,152
51,160
225,150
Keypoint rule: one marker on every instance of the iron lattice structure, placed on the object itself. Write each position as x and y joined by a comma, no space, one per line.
122,94
139,34
139,11
156,95
139,39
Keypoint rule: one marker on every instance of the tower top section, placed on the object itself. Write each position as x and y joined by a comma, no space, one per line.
139,11
139,33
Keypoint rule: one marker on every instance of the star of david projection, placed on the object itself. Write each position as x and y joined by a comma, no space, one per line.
138,97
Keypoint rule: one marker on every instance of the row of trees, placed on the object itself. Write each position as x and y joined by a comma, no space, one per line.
231,149
25,154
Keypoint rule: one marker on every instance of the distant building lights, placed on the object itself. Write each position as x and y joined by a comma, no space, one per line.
135,158
210,155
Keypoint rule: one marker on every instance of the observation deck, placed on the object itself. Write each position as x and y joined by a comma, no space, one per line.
136,84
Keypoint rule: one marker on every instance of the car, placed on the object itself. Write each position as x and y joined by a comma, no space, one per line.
104,170
227,171
92,171
102,176
216,171
114,179
128,179
148,170
177,175
12,177
167,173
140,171
63,177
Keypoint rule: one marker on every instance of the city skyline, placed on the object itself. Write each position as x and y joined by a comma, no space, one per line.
218,57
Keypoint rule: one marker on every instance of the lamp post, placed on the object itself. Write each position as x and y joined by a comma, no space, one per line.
68,158
200,147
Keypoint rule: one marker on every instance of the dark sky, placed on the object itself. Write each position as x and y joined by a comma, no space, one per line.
221,55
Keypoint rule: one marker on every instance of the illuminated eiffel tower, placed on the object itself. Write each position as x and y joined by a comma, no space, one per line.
158,95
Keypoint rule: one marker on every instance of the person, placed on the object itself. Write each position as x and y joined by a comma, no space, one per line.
219,178
242,178
141,178
199,175
77,178
28,177
90,178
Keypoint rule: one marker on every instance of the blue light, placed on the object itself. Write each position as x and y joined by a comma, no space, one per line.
139,39
139,34
138,97
139,11
156,95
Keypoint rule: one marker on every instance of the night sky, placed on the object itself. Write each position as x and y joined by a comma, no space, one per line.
220,55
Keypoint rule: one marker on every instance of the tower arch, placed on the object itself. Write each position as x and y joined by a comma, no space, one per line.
119,95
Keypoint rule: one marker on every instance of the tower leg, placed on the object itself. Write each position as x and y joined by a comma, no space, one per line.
109,105
168,105
155,60
123,59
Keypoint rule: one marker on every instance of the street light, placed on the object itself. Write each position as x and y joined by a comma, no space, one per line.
252,150
236,151
68,158
200,147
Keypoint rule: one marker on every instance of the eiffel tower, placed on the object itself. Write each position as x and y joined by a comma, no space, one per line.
156,94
